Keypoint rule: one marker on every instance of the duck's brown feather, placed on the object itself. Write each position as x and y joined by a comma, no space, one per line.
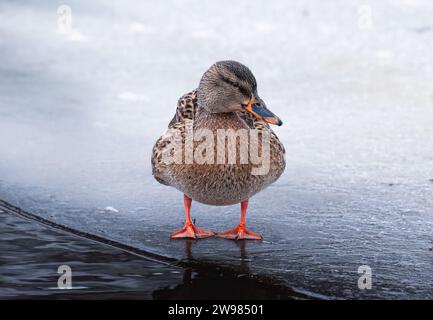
216,184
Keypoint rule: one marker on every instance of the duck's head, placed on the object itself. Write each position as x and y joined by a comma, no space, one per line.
229,86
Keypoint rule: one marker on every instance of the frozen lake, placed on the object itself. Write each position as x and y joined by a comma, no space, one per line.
352,82
31,254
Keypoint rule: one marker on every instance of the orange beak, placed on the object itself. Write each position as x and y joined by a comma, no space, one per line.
261,112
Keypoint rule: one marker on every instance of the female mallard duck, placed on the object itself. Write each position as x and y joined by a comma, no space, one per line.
225,101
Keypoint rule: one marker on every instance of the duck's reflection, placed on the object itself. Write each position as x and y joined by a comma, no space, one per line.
215,280
188,249
242,268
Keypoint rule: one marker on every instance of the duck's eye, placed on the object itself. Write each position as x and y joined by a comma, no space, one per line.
235,84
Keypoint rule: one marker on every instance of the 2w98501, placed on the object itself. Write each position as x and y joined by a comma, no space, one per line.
238,309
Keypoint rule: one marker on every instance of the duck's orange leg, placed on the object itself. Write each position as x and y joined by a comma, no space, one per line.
189,230
240,231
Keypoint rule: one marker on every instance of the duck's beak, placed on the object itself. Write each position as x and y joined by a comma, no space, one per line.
258,108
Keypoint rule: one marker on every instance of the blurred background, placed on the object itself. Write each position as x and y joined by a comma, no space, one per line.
87,88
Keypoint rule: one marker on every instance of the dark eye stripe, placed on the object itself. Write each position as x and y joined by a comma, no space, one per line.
246,92
227,80
242,89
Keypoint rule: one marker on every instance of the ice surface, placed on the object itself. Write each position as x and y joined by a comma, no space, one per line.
352,82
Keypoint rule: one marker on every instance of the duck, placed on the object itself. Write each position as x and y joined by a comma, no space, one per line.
193,157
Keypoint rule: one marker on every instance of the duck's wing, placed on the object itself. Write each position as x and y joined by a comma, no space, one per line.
186,110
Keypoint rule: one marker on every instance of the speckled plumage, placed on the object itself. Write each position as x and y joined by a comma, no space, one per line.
215,184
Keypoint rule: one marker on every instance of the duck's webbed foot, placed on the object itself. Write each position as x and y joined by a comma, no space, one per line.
191,231
240,232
